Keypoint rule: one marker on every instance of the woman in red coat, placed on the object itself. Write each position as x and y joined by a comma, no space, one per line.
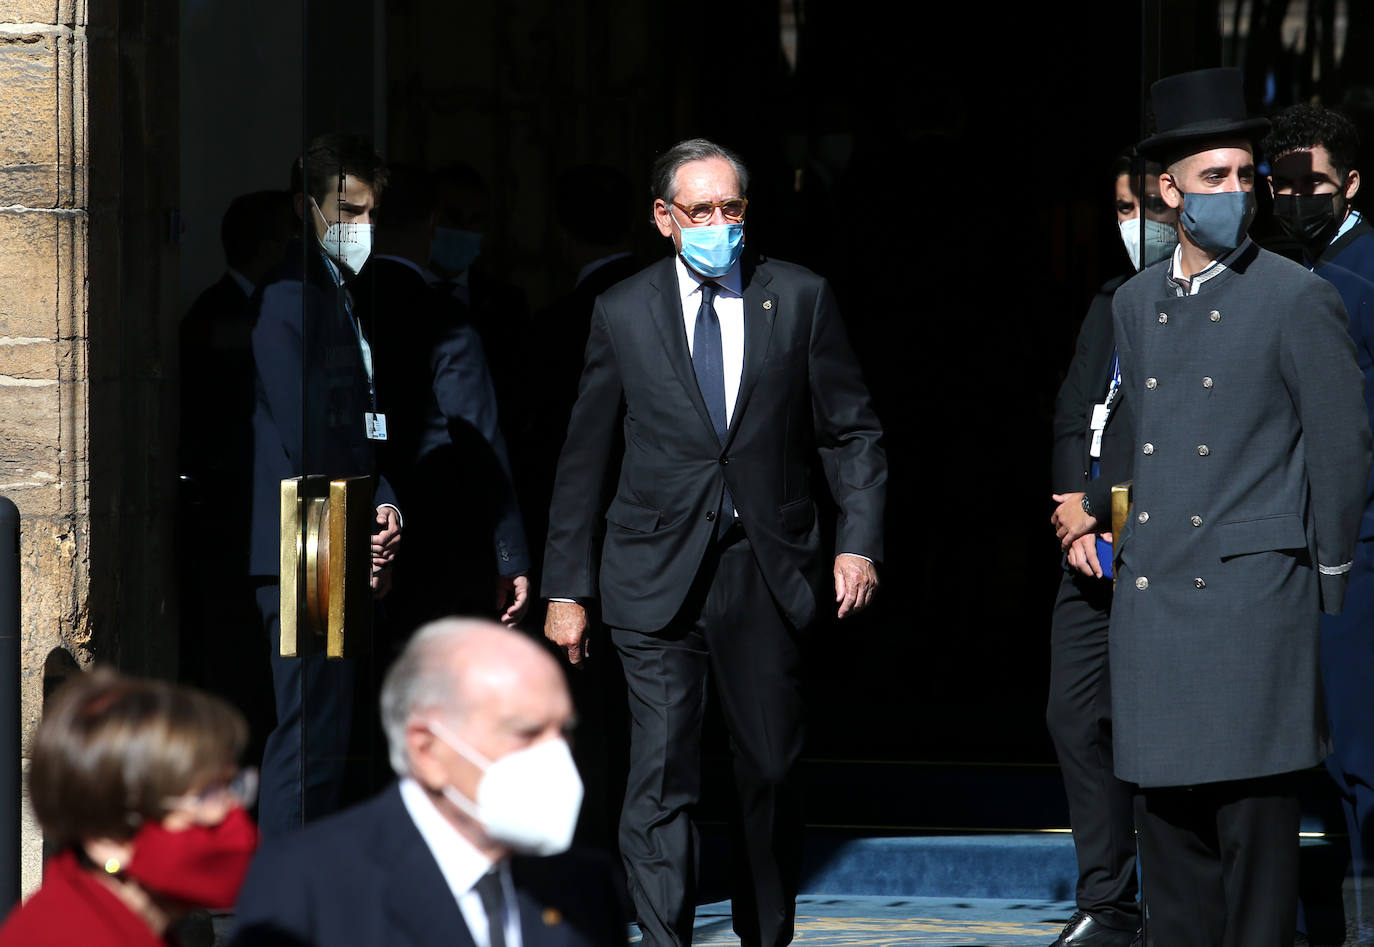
137,788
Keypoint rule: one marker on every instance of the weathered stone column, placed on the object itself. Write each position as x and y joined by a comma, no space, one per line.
88,181
43,334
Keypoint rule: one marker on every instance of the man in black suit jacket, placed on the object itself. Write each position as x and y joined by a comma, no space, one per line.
729,377
475,715
314,393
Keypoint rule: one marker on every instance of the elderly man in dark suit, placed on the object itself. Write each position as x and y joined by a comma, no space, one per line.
728,377
1251,452
469,848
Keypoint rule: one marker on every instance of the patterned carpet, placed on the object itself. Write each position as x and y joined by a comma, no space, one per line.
850,920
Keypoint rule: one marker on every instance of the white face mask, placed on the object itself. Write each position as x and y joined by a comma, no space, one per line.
347,244
527,800
1160,240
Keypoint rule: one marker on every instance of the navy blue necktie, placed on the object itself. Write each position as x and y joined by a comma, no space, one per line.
709,363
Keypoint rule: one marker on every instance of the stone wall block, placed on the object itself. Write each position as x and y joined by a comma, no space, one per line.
37,149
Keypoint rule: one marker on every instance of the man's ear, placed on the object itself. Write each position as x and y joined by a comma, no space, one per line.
424,765
663,218
1270,179
1170,191
1352,184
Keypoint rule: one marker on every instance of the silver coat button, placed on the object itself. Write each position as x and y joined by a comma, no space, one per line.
1202,450
1198,583
1142,583
1142,517
1207,381
1214,316
1164,318
1148,449
1151,383
1196,520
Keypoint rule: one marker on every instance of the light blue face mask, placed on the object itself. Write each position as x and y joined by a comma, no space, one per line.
1218,221
714,250
454,250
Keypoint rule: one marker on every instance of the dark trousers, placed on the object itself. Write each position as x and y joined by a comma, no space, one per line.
730,631
304,759
1079,716
1219,863
1347,669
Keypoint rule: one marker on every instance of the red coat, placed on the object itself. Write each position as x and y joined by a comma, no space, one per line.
74,907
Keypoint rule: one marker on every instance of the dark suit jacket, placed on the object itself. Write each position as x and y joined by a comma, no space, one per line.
311,394
1085,385
800,392
436,390
366,878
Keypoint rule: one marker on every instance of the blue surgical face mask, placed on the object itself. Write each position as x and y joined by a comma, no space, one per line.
454,250
1218,220
713,250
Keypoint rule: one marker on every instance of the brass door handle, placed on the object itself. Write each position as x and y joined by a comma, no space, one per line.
326,563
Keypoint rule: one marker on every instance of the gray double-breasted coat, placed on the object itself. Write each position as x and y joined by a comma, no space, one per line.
1251,450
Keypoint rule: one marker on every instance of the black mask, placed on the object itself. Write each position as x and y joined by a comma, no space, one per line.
1310,219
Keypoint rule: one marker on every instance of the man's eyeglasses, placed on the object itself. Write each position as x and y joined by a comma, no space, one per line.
701,211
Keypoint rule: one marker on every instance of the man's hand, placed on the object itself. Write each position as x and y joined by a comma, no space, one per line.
1069,520
566,626
381,581
1083,554
386,541
512,597
856,581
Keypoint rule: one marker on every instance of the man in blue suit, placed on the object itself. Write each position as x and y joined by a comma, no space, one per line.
469,849
1312,172
315,413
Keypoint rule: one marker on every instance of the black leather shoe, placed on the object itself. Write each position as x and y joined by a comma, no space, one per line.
1084,930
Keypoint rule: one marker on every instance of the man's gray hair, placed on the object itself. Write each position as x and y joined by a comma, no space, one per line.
663,177
422,677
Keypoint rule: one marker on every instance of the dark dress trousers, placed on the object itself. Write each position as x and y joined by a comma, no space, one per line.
682,603
1347,639
311,394
1251,458
1079,710
366,878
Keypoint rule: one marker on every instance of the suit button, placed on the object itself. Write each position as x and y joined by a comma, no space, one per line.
1151,383
1142,583
1148,449
1164,318
1207,381
1203,450
1214,316
1196,520
724,461
1142,517
711,516
1198,583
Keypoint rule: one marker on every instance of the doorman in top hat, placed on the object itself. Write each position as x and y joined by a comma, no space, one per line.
1251,449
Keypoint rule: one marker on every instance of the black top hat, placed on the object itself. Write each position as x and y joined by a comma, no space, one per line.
1193,107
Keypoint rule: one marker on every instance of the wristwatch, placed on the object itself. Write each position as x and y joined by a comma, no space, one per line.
1087,507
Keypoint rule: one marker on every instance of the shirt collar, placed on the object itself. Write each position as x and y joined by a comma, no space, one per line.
241,281
1186,287
688,282
1347,225
333,267
459,860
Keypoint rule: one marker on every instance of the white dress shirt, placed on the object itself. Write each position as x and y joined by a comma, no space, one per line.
729,306
462,866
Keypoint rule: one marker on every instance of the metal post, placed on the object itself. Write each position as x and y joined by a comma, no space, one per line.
10,763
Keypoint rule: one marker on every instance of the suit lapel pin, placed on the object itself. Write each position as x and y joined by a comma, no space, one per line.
768,304
552,917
